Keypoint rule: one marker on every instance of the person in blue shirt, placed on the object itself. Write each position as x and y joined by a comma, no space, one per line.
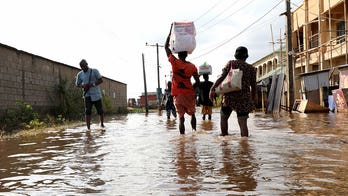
89,79
168,102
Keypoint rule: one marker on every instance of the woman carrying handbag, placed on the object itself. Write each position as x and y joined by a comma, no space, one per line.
242,101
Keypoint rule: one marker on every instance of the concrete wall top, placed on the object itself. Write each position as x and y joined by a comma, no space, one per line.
40,58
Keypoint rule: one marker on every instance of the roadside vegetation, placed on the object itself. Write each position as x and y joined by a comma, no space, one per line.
70,111
23,119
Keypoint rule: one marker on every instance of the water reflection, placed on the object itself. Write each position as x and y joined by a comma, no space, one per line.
239,166
88,162
171,124
295,154
187,165
207,125
69,161
333,123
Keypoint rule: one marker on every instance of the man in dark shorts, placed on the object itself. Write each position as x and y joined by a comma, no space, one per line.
89,79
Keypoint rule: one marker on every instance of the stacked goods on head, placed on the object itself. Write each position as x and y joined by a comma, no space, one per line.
183,37
205,69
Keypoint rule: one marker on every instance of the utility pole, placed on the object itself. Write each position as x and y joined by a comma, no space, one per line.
145,89
159,91
289,55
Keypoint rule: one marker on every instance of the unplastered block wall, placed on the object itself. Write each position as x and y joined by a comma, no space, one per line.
33,79
117,91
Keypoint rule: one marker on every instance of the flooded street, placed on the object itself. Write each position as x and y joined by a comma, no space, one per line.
297,154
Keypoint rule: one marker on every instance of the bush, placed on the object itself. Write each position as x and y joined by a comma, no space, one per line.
71,104
21,116
107,105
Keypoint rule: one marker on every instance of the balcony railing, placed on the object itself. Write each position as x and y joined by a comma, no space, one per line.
314,41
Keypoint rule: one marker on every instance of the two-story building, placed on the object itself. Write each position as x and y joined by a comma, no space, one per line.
320,53
269,68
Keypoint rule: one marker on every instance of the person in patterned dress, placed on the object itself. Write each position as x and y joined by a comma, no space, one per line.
243,101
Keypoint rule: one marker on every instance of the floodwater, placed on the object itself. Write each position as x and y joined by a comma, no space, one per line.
138,154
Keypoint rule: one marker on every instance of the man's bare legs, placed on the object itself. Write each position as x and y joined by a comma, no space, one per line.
88,121
102,120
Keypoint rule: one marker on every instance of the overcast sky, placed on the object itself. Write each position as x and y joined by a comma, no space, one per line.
112,35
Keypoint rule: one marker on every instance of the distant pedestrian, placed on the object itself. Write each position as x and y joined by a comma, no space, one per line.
89,79
168,101
243,101
182,88
204,100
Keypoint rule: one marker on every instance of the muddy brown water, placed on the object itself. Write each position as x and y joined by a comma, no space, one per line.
138,154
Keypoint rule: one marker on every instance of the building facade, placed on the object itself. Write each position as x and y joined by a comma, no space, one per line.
268,68
152,100
319,40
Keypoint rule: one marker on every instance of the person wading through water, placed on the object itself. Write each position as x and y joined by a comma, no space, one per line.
182,88
243,101
89,79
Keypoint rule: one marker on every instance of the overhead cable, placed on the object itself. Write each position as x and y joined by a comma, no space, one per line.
228,7
226,17
208,11
230,39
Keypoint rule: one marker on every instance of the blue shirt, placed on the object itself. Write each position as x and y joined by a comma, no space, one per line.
83,78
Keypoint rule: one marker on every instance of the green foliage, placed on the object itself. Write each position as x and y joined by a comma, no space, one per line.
107,105
71,107
71,104
136,110
35,123
21,116
52,121
122,110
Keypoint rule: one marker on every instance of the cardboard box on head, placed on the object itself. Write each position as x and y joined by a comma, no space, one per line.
183,37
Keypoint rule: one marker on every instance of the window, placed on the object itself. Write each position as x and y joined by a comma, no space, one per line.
314,41
299,42
315,67
341,32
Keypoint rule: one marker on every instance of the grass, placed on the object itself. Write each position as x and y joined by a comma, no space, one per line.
36,131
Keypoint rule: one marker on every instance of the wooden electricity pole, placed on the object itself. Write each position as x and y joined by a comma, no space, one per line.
145,89
289,56
159,90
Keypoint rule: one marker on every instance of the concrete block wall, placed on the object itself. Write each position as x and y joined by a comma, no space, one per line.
33,79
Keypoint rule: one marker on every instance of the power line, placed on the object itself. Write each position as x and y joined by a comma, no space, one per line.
227,17
261,25
230,39
233,3
208,10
